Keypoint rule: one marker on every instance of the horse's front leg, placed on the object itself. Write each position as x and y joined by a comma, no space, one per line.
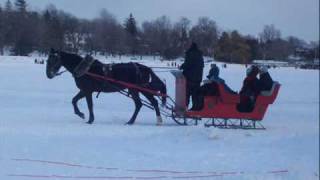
75,100
90,107
155,105
138,105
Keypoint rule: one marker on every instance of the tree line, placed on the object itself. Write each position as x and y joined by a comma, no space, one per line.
23,31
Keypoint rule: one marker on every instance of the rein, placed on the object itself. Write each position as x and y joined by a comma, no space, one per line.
60,73
84,66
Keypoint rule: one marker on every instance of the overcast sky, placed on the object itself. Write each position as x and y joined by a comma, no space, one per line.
293,17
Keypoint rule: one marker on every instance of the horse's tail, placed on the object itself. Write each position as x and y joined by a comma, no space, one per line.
157,84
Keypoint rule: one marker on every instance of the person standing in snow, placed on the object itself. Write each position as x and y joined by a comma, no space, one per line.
192,70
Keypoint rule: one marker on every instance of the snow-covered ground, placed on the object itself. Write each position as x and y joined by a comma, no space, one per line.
41,138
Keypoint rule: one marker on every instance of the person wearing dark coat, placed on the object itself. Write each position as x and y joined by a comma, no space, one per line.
213,76
265,80
250,90
210,87
192,71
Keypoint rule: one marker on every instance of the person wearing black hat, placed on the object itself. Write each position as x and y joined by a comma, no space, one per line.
192,70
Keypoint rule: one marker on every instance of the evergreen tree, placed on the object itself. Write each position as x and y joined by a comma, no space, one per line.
23,30
132,32
131,26
21,5
53,31
223,49
253,43
8,21
8,6
1,30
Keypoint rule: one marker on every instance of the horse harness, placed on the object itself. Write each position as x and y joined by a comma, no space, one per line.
107,69
83,67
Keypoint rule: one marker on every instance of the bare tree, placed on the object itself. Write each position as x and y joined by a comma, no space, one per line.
269,34
108,33
205,33
182,29
73,37
87,29
156,34
267,37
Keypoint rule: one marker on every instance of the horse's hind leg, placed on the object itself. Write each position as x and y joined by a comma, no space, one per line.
90,107
138,105
155,104
75,100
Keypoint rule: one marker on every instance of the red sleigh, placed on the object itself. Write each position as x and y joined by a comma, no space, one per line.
222,110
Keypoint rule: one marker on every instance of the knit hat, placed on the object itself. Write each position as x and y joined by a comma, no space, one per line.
252,70
263,69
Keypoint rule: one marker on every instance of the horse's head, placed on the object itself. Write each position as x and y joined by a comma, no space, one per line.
53,64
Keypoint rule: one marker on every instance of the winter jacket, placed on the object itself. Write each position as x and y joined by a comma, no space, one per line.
249,91
265,82
213,76
193,65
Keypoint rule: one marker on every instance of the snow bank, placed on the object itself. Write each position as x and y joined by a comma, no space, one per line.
41,138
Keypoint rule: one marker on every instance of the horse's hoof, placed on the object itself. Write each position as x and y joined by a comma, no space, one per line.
128,123
89,122
81,115
159,124
159,121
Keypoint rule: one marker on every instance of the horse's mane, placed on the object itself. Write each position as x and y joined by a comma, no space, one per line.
70,60
70,55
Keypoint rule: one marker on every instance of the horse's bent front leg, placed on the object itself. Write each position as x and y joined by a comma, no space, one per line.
155,105
75,106
90,107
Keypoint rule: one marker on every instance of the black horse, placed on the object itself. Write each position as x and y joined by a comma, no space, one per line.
132,73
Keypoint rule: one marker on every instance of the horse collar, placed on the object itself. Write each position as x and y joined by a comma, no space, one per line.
83,67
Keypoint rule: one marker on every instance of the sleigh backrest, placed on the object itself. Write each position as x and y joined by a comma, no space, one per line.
180,94
268,97
227,97
265,97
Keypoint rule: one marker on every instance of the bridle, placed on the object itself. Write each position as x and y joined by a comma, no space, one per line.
55,64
